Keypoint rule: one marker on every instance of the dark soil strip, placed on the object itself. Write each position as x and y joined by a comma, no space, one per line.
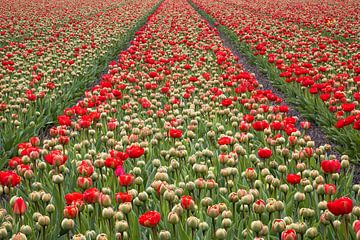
315,132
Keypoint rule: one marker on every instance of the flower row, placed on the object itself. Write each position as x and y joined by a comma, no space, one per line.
177,141
44,73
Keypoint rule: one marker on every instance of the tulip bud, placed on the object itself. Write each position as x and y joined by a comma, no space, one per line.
44,220
256,226
311,233
213,211
19,236
356,211
67,224
226,214
192,222
101,236
3,233
278,225
79,237
121,226
108,212
173,218
58,178
336,224
90,234
299,196
221,233
164,235
26,229
226,223
307,212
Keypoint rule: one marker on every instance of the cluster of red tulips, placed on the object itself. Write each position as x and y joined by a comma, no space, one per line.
178,141
49,52
319,72
336,18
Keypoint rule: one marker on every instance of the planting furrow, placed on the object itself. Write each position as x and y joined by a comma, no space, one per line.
39,72
177,141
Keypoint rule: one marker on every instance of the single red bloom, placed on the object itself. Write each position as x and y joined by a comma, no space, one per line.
224,141
226,102
19,207
64,120
347,107
55,157
150,219
126,179
122,197
330,166
293,178
260,125
113,162
91,195
9,179
71,211
330,189
74,198
175,133
288,235
340,206
134,151
186,202
85,168
264,153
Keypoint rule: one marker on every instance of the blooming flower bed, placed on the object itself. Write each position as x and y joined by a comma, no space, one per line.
320,74
177,141
336,18
50,57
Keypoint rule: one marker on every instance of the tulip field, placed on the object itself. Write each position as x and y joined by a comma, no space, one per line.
136,120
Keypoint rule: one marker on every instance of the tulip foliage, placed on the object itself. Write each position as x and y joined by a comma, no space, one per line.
314,60
177,141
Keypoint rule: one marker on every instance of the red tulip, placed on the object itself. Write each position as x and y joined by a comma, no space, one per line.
85,168
356,226
70,211
264,153
9,179
226,102
150,219
330,166
347,107
330,189
113,162
293,178
260,125
91,195
55,157
134,151
19,207
224,141
84,182
175,133
74,198
35,141
288,235
187,202
126,179
64,120
340,206
123,197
